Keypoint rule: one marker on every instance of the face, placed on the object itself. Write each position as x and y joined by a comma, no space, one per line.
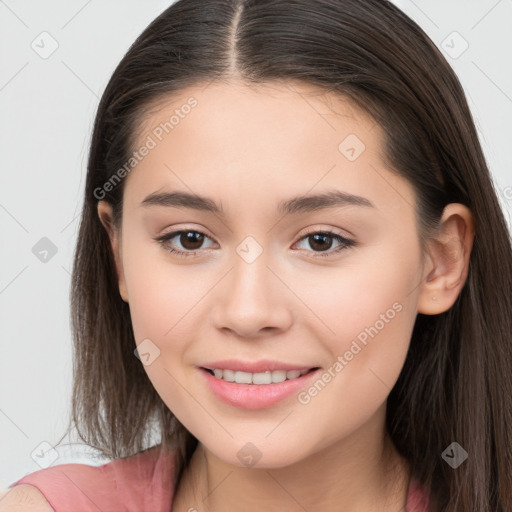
329,285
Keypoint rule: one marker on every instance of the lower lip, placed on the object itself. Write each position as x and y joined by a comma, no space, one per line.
255,396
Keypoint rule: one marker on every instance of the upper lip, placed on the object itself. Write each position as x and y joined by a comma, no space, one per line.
254,366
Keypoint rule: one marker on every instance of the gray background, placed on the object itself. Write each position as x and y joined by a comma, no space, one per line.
48,103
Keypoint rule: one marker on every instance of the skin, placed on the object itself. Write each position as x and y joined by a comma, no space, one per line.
248,148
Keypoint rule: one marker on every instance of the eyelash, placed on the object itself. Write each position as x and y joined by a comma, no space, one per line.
345,242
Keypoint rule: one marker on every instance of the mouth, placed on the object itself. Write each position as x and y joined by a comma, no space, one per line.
271,384
257,378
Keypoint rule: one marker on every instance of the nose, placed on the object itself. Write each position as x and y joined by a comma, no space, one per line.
252,301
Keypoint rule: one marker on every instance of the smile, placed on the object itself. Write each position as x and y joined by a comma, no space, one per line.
267,377
256,390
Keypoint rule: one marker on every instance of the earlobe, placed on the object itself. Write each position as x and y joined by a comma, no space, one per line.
106,217
448,255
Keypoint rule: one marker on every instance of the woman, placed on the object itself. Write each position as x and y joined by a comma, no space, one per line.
289,218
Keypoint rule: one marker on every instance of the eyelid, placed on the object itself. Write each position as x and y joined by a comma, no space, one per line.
173,230
309,230
332,231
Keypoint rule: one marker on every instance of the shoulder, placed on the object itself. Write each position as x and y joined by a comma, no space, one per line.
418,498
24,498
145,480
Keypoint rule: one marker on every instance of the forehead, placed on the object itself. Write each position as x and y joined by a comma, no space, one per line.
233,140
300,101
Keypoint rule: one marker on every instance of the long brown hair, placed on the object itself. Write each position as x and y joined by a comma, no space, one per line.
456,381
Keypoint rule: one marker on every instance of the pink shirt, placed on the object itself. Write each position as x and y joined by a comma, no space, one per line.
141,483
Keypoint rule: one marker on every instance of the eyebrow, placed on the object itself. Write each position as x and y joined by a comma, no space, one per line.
295,205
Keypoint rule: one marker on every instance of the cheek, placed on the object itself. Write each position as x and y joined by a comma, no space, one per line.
367,311
164,301
161,292
372,313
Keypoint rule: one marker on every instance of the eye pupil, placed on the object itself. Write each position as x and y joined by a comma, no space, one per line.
193,237
321,236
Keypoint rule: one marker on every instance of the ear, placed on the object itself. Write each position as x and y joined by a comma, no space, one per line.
106,217
447,261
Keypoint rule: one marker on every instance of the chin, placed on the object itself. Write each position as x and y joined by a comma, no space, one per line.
254,455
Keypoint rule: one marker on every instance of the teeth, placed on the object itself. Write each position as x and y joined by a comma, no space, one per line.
278,376
243,378
257,378
228,375
260,378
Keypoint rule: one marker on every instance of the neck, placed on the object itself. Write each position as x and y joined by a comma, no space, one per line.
360,473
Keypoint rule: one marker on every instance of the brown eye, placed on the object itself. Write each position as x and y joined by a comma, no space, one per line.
191,242
322,241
